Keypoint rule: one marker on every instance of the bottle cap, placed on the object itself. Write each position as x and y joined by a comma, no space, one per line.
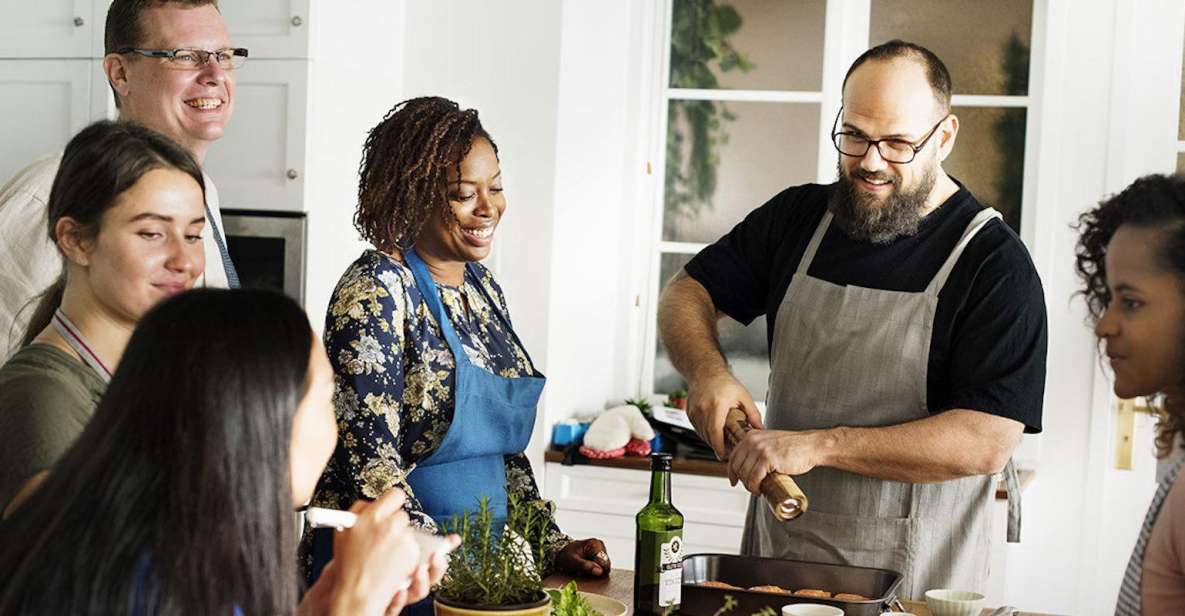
660,461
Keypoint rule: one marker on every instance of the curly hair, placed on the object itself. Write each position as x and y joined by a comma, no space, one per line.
403,176
1153,201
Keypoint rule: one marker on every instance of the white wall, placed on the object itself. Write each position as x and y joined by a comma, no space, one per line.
355,76
502,58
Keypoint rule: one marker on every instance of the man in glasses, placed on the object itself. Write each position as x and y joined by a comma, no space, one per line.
171,66
907,336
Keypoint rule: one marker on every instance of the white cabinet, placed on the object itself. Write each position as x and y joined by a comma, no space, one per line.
601,502
42,104
259,163
269,28
51,28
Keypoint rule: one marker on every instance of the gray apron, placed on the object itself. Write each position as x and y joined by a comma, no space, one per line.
853,356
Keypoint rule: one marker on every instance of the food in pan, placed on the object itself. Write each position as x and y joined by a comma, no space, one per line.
770,588
719,584
814,593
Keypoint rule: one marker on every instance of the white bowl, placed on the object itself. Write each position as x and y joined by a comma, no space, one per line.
810,609
946,602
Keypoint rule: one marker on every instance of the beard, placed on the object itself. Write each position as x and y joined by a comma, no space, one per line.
880,221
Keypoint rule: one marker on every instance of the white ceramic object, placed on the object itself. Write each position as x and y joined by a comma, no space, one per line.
811,609
607,606
945,602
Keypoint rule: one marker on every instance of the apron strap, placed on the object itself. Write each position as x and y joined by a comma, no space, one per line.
481,288
73,336
1012,486
431,295
1129,602
982,218
809,254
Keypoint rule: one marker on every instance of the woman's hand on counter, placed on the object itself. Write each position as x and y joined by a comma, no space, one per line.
585,557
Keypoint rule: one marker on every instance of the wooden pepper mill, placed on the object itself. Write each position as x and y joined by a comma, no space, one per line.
786,500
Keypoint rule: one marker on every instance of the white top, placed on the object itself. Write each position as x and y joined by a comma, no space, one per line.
29,260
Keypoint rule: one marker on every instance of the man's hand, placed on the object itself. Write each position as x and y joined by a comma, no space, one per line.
762,452
708,402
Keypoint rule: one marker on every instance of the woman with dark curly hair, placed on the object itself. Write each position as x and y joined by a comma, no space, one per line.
435,393
1131,256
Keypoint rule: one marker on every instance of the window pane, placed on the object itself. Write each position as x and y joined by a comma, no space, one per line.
744,347
747,44
1181,162
985,45
719,169
989,157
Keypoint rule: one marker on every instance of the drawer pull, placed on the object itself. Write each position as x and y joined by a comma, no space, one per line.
297,21
292,174
79,22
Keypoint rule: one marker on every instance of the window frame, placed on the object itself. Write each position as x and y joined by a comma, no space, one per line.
847,26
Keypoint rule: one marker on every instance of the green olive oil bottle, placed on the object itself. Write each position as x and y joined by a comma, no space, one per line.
658,553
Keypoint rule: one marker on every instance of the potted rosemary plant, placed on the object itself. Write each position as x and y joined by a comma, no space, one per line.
493,570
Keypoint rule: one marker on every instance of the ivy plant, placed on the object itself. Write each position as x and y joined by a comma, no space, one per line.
700,37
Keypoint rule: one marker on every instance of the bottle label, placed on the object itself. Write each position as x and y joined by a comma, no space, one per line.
661,556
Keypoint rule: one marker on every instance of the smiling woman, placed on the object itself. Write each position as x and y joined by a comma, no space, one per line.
1131,257
435,392
127,214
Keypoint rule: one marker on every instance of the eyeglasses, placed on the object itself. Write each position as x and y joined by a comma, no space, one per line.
897,151
194,59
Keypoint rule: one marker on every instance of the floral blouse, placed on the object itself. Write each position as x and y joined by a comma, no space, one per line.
394,397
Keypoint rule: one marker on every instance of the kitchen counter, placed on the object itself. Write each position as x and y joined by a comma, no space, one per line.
715,468
620,585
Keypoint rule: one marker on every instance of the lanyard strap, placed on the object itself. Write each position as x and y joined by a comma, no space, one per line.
75,339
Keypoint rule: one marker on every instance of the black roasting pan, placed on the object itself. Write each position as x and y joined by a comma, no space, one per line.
879,585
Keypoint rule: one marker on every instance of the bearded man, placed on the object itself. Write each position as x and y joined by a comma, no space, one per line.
907,335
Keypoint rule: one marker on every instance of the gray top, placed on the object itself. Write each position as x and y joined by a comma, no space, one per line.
47,397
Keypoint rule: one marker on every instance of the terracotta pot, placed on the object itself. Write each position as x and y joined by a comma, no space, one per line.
445,607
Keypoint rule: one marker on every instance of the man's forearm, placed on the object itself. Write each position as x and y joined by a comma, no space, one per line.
952,444
687,324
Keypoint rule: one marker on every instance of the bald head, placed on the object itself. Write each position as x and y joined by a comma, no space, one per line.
895,55
895,88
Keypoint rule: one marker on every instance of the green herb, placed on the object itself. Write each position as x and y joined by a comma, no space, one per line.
491,571
567,601
729,604
642,403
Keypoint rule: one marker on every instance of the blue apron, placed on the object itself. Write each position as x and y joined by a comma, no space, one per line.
493,416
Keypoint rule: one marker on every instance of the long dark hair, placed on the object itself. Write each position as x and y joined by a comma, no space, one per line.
178,492
1152,202
100,162
403,176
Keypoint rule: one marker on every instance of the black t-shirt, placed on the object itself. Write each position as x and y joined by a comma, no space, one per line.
987,351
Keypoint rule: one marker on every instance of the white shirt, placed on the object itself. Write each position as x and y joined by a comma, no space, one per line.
30,261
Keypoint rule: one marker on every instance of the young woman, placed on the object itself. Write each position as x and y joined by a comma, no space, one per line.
127,213
1131,257
436,394
178,497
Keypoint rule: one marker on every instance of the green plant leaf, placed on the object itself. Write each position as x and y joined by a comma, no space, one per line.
727,19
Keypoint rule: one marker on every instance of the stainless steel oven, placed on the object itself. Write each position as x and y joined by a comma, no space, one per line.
268,249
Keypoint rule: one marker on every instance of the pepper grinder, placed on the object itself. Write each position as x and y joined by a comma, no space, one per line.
786,500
